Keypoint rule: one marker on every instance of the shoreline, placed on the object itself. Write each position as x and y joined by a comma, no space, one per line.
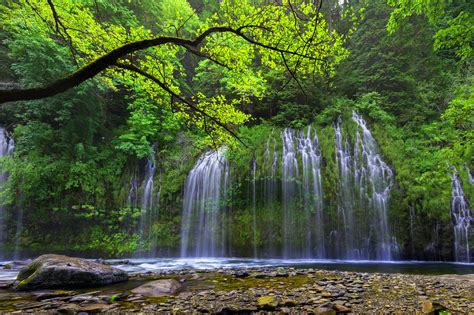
252,290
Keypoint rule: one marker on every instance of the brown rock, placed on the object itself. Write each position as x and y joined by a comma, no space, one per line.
94,308
325,311
342,309
158,288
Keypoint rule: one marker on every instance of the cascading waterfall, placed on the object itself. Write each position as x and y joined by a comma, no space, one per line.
7,146
203,230
143,199
412,229
462,220
254,206
289,193
270,191
470,176
308,149
344,248
303,227
147,197
374,173
365,182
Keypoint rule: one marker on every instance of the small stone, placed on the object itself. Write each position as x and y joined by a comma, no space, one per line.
326,294
325,311
342,309
158,288
94,308
82,297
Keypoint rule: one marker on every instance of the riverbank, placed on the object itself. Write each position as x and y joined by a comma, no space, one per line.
247,290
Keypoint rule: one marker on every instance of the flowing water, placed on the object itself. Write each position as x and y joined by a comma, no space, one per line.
144,199
462,220
203,230
254,206
302,195
375,179
7,146
163,264
147,196
365,182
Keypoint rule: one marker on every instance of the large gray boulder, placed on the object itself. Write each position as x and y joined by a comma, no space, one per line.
158,288
58,271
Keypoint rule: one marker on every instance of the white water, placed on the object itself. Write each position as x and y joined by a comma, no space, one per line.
254,206
7,146
462,220
203,230
289,165
375,180
365,182
147,196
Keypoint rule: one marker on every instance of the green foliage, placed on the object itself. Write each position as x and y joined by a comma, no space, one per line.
75,151
454,22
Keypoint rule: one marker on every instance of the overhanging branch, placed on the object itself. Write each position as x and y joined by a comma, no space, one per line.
110,59
173,94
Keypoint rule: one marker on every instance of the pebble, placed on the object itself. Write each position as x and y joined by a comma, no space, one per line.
259,290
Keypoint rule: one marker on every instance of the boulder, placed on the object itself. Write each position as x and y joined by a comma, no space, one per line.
58,271
158,288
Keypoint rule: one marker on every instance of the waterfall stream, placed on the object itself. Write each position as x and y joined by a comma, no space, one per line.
375,180
462,220
254,206
203,230
147,196
7,146
364,183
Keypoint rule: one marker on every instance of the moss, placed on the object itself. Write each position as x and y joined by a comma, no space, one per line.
229,283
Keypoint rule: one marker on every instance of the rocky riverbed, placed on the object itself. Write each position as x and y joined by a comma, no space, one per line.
259,290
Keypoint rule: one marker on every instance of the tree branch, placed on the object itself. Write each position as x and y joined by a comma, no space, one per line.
165,87
95,67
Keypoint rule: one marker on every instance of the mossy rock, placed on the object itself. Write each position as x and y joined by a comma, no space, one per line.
58,271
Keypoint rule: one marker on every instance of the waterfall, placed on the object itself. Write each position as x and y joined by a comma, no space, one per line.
378,178
203,232
462,219
308,149
302,195
470,176
270,191
345,201
289,193
147,197
365,181
7,146
412,229
254,206
293,193
146,217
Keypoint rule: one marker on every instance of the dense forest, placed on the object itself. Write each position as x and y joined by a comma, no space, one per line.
296,129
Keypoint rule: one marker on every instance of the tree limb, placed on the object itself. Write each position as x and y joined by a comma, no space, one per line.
165,87
110,59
